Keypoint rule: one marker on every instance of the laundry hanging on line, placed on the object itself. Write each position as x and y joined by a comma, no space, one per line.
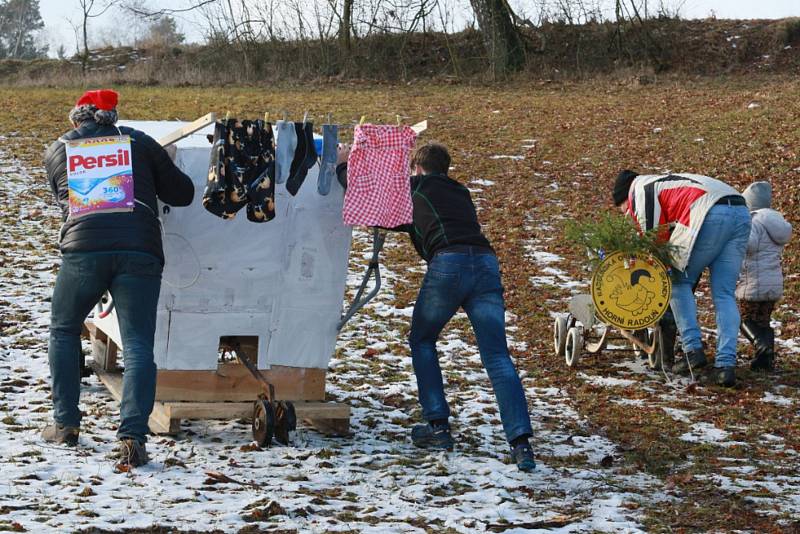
327,165
305,156
285,146
378,176
242,170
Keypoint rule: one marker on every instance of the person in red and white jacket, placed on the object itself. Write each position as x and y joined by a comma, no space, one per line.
708,224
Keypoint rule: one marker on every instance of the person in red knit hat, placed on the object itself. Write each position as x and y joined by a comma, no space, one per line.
108,248
100,106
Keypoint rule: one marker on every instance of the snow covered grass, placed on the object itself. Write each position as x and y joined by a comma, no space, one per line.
211,477
584,134
690,413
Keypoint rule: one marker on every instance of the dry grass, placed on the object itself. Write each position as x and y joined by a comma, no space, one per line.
598,128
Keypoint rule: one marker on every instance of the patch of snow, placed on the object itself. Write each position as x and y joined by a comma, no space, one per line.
373,481
607,381
705,433
678,415
515,158
629,402
776,399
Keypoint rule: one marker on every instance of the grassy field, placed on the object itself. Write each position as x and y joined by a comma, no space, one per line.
572,140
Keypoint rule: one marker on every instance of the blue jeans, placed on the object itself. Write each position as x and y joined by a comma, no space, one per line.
720,246
471,281
134,280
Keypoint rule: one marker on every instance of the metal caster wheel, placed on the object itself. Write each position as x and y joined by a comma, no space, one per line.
286,421
263,423
573,346
560,328
645,337
662,359
654,358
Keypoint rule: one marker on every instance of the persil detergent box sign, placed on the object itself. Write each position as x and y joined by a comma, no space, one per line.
100,175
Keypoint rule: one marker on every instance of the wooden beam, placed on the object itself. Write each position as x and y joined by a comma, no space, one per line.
159,422
104,350
339,427
244,410
329,418
233,382
188,130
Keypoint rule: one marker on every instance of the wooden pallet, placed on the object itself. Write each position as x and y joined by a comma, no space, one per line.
227,393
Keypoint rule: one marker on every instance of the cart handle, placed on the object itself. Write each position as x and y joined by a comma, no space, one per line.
105,306
378,239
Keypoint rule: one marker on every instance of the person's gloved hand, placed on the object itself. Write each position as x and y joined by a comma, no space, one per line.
342,153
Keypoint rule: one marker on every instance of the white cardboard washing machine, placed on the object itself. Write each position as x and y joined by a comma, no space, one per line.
282,281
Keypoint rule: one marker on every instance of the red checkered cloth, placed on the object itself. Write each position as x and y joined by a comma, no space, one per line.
378,186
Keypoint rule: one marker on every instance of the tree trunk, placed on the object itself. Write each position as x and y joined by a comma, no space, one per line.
500,36
85,58
345,30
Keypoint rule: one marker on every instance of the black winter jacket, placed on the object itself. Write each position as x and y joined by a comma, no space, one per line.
155,176
443,215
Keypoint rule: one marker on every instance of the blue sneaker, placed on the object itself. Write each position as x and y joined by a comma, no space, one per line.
432,437
522,455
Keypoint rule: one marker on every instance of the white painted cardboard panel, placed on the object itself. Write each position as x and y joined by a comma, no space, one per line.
294,347
236,277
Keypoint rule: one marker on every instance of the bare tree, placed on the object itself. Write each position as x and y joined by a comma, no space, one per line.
346,25
500,36
91,9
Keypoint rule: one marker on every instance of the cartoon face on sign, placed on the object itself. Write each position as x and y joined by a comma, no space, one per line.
631,295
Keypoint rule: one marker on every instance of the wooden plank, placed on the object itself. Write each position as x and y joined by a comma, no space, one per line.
159,422
233,382
330,427
244,410
104,350
188,130
88,329
329,418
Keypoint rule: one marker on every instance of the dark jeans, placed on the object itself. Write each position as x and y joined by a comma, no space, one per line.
472,281
134,280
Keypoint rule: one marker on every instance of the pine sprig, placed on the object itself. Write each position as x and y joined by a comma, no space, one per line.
611,232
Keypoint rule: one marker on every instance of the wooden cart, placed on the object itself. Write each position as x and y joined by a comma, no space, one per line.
629,295
269,294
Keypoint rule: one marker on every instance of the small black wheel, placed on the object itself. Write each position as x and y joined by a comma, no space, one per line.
645,337
560,328
263,423
573,347
286,421
665,357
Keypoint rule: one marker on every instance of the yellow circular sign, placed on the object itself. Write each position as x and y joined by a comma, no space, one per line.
631,292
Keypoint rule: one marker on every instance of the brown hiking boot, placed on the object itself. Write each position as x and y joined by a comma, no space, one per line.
131,453
65,435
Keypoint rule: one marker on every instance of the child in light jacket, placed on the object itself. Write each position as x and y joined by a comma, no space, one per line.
761,279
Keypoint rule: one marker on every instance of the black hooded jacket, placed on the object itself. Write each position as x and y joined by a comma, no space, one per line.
155,176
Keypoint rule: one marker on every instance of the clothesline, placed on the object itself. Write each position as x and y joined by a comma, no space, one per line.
418,127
